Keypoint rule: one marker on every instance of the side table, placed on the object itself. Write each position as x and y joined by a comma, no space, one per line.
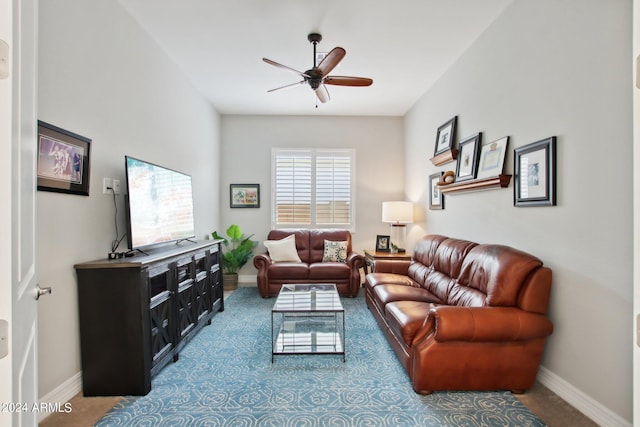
370,257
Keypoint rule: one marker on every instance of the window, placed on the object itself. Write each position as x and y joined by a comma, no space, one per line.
313,188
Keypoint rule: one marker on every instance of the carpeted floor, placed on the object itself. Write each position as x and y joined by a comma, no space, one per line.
225,377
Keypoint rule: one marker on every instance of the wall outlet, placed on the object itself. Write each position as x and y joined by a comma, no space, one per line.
106,184
116,186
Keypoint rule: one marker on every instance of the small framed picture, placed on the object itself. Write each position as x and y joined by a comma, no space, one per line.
244,195
383,243
436,198
492,158
445,137
468,154
63,160
535,174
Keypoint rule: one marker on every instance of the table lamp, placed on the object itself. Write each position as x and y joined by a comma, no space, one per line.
397,214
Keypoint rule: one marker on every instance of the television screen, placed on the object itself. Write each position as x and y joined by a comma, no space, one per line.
160,207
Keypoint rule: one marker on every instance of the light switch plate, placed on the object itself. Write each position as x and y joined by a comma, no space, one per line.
4,338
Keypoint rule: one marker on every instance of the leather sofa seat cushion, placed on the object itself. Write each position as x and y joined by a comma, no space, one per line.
406,318
329,270
375,279
390,293
287,270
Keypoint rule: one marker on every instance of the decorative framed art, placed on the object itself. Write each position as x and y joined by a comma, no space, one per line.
535,174
436,199
445,137
468,154
492,157
244,195
383,243
63,160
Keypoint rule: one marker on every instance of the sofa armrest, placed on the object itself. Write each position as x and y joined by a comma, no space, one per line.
355,261
484,324
395,266
262,261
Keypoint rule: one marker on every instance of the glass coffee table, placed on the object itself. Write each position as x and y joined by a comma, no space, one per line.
307,319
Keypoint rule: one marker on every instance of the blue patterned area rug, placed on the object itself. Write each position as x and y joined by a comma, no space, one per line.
225,378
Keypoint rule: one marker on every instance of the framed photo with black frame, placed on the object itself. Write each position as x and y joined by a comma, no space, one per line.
492,157
244,195
468,156
445,137
535,174
63,160
383,243
436,198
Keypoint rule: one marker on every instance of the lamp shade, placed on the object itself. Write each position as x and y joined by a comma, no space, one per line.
397,212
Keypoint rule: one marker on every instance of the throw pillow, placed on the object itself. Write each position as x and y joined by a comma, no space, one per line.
283,250
335,251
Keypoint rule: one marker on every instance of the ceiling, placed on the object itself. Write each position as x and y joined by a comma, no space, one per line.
404,46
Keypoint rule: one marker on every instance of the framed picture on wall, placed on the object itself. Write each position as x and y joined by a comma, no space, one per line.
535,174
468,153
383,243
492,157
436,198
244,195
63,160
445,137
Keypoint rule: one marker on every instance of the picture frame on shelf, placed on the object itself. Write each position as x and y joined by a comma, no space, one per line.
535,174
436,198
445,136
468,156
64,160
383,243
492,157
244,195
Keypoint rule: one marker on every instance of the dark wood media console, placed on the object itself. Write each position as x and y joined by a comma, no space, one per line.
137,313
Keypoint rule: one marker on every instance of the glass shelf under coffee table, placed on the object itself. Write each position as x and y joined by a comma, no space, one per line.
307,319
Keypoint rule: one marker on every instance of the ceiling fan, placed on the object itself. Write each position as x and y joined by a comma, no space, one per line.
317,77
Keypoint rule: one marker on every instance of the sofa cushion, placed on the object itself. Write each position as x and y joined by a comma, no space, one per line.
286,271
283,250
405,318
329,271
335,251
386,294
317,238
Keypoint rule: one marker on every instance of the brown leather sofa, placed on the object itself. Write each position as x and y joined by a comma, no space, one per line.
311,269
464,316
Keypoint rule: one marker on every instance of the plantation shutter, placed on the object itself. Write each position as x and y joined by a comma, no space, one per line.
313,188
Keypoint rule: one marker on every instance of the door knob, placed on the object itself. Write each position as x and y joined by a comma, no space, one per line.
42,291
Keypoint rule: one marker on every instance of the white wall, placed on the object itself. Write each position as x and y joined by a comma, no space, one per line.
246,154
102,77
552,68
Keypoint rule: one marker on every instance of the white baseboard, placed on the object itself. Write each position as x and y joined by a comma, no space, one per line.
61,394
593,409
247,278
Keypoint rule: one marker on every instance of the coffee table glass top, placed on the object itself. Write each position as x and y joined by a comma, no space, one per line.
308,298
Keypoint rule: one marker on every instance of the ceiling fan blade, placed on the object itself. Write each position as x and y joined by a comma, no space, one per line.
323,94
330,61
277,64
347,81
286,86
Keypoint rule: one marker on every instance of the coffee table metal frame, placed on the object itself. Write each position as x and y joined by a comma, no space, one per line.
308,319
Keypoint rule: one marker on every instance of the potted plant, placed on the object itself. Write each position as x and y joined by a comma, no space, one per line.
238,251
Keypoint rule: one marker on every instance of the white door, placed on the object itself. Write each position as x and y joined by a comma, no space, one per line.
18,307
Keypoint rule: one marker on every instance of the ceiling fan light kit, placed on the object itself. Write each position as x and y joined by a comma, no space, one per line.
318,77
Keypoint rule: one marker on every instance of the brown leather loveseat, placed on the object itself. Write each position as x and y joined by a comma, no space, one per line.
310,247
464,316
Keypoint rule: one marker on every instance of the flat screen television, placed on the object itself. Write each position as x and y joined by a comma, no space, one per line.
160,204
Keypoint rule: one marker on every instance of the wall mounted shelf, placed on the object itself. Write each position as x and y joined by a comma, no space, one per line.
446,157
500,181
